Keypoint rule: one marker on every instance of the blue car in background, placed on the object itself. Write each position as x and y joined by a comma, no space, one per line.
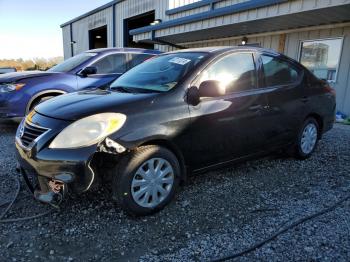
4,70
21,91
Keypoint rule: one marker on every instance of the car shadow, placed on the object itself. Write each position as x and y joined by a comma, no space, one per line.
8,127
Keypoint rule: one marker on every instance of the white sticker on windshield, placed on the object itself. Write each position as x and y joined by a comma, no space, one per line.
179,60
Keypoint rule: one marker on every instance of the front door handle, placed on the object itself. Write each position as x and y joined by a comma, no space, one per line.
255,107
305,99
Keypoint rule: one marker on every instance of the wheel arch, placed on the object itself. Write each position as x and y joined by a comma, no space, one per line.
319,120
173,148
41,94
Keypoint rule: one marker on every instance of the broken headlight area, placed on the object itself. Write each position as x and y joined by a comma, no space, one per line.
111,147
108,153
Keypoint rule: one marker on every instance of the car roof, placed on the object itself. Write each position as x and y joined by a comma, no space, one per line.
123,50
223,49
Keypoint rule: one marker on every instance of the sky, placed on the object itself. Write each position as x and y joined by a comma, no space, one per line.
31,28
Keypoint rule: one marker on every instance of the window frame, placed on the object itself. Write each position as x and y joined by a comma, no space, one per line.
255,57
101,56
297,68
129,59
324,39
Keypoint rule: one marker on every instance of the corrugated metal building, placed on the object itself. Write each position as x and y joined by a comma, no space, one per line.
315,32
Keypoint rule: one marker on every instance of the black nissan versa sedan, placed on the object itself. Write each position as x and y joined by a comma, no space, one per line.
183,111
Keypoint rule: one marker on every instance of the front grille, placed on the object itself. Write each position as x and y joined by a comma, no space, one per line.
31,132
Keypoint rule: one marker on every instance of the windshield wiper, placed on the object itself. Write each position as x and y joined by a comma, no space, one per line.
121,89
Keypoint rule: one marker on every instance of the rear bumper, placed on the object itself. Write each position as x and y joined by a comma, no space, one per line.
328,124
329,120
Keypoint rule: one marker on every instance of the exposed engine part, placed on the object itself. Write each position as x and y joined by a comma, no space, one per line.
51,192
65,177
50,197
56,186
111,147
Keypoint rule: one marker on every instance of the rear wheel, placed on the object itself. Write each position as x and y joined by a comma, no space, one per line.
307,140
146,181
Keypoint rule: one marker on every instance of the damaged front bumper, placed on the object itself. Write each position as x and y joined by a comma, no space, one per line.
52,173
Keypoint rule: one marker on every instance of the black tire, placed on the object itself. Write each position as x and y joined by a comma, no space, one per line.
124,172
297,150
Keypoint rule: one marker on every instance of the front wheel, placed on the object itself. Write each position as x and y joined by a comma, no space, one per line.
37,102
308,137
145,181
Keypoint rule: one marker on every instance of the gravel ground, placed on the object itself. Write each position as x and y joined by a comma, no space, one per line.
215,214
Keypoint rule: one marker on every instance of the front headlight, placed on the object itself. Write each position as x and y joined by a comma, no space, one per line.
89,130
6,88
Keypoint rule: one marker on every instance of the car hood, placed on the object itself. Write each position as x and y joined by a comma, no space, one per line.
77,105
17,76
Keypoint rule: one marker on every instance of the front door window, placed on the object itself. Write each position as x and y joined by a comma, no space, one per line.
236,71
111,64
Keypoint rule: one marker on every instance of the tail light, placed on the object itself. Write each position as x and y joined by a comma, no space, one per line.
329,89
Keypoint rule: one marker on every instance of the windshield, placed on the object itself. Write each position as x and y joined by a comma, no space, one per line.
159,74
7,70
72,62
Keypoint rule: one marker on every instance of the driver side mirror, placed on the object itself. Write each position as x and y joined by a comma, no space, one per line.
211,88
90,70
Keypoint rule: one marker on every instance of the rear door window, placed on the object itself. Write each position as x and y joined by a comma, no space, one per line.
236,71
112,64
278,72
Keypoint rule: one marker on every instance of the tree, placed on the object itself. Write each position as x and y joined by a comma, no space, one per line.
31,64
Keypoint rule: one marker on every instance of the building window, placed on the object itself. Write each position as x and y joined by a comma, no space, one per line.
322,57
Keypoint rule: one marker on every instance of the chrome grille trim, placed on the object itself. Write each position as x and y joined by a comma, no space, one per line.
31,134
